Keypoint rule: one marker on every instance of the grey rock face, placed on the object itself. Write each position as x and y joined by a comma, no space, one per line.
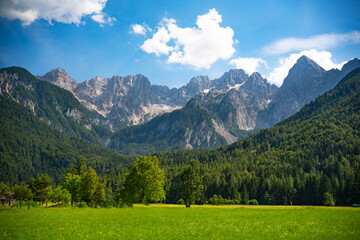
60,78
306,81
133,100
228,105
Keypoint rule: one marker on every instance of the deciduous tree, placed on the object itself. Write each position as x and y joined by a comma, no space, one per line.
72,183
22,192
88,185
190,183
145,182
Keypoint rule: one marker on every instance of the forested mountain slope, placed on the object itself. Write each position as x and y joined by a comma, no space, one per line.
315,151
30,147
53,105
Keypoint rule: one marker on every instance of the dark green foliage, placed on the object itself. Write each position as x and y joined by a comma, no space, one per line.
72,183
56,106
41,188
310,158
5,191
164,133
22,192
329,199
253,202
28,147
190,186
145,182
60,195
313,152
88,185
82,205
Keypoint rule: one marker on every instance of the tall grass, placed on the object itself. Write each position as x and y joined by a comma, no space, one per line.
175,222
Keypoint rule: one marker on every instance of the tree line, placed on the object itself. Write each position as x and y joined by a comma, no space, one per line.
80,185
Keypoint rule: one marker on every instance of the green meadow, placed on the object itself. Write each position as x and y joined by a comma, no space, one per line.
160,221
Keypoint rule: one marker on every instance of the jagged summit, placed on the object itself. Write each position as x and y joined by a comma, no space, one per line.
61,78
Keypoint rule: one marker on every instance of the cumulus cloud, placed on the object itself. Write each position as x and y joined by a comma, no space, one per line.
249,65
158,43
319,42
102,19
64,11
140,29
323,58
198,47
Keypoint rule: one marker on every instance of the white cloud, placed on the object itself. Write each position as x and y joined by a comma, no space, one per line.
323,58
102,19
158,43
319,42
140,29
198,47
249,65
64,11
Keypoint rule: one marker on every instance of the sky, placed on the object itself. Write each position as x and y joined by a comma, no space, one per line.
172,41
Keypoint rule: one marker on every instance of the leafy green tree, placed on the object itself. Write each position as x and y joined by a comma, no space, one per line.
72,183
5,191
329,199
81,168
190,183
22,192
40,188
244,195
99,194
145,182
60,195
88,185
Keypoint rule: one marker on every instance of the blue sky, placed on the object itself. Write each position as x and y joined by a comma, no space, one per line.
172,41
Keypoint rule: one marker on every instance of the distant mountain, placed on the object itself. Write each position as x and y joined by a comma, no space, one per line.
53,105
213,118
132,100
60,78
313,152
218,112
306,80
189,127
30,147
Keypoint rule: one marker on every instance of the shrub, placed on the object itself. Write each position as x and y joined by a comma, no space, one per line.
216,200
107,204
329,199
124,205
32,203
253,202
181,201
17,204
83,205
92,204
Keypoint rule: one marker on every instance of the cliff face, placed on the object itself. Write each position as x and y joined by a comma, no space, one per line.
202,114
305,82
133,100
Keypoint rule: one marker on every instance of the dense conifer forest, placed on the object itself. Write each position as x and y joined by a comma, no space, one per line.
309,158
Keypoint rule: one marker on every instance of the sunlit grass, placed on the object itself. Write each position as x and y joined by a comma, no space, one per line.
159,221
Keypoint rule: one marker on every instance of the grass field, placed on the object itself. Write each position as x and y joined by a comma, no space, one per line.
177,222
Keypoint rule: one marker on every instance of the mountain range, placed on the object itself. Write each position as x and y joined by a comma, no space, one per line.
301,159
132,116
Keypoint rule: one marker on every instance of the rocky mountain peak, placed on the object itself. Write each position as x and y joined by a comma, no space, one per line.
303,74
231,78
349,66
61,78
200,83
305,63
256,75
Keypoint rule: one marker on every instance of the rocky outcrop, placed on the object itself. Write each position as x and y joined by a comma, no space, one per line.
306,81
51,104
133,100
60,78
